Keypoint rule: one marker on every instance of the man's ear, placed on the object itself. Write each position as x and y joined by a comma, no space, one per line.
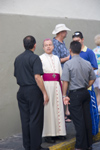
82,40
70,51
35,46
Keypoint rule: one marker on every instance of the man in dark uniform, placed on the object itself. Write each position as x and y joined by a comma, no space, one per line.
77,76
31,95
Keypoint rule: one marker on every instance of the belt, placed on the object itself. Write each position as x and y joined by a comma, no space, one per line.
77,90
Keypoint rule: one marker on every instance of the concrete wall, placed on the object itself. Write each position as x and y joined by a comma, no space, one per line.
13,28
80,9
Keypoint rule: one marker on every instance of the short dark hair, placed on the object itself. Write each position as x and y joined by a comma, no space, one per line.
78,34
29,42
75,47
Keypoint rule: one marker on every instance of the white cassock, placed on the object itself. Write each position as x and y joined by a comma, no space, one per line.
54,122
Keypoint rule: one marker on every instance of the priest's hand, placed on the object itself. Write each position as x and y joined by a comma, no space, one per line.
66,100
46,98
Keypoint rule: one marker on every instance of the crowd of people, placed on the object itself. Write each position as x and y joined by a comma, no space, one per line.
56,78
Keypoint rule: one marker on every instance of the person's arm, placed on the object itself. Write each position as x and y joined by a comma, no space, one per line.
64,91
90,83
92,76
64,88
93,60
62,60
57,51
38,71
65,79
40,83
60,68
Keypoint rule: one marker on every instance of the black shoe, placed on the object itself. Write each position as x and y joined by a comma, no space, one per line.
61,137
49,140
41,148
90,148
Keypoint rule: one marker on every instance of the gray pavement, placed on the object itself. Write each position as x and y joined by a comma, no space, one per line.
15,142
96,146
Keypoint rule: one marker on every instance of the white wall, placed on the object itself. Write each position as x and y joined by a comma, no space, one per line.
78,9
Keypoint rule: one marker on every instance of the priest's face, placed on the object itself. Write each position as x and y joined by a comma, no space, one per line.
48,46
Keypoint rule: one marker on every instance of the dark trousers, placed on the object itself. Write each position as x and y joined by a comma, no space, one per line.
30,102
80,112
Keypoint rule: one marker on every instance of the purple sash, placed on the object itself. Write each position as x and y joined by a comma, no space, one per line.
52,77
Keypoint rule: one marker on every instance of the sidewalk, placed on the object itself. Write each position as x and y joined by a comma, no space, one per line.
69,143
15,142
